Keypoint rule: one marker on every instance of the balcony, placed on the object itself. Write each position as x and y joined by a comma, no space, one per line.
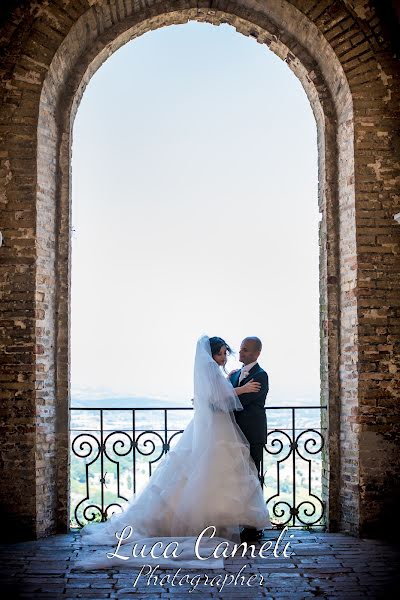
107,455
115,450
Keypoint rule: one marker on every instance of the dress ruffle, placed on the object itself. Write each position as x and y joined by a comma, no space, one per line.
194,487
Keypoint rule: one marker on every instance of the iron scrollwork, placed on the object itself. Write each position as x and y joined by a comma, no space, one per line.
286,450
113,465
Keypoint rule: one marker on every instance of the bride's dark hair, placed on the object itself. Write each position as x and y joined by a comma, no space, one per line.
216,344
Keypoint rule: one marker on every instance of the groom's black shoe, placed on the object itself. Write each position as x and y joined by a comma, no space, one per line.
250,535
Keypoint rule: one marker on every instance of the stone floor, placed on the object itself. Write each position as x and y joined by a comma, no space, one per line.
325,565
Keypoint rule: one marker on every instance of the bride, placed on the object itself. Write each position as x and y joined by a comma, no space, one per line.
207,479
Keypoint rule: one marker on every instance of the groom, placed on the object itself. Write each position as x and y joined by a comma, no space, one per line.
251,419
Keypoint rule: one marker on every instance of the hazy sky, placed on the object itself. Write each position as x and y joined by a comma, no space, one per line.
195,211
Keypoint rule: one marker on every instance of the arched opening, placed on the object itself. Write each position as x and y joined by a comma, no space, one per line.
322,78
189,224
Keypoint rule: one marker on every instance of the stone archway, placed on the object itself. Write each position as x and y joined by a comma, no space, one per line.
352,95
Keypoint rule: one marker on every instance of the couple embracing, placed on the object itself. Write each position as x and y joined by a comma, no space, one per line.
210,478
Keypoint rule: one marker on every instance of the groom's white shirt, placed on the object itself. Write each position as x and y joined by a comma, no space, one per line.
244,371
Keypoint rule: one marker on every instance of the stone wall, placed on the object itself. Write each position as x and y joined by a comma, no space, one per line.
344,53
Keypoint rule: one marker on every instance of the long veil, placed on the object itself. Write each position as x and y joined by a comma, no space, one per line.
207,480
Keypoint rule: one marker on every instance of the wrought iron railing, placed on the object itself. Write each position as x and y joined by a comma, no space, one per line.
115,450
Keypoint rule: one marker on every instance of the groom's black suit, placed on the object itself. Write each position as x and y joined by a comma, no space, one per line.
251,419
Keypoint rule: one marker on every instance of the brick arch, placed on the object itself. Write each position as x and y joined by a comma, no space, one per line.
54,50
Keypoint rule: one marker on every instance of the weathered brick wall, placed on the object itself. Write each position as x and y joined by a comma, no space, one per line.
343,54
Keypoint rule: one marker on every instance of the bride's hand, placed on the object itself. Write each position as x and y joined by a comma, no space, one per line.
251,386
232,372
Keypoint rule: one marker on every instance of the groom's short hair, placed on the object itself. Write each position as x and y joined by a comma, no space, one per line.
256,341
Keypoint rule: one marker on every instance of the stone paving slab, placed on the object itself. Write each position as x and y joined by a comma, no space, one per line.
325,565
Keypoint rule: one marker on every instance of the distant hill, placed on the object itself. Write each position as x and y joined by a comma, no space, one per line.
120,402
87,397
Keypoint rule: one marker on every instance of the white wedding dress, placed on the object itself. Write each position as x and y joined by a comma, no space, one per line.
207,479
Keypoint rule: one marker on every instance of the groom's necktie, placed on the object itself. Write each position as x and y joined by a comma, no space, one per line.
243,375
